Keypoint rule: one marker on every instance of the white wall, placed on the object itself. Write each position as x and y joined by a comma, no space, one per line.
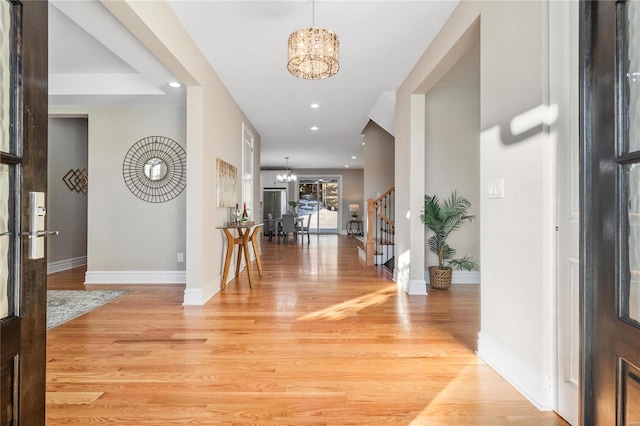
66,209
516,231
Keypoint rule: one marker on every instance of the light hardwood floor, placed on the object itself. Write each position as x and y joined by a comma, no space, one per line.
321,340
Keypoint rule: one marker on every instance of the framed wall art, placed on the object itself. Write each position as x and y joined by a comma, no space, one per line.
227,185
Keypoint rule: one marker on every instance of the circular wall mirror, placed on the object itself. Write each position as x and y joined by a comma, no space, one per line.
155,169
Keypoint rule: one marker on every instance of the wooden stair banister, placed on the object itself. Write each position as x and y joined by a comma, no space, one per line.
374,208
370,244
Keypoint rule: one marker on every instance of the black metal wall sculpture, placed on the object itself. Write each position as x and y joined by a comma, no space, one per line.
155,169
77,180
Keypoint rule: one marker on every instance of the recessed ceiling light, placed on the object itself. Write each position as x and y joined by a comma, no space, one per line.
346,165
362,143
314,128
175,84
353,157
315,106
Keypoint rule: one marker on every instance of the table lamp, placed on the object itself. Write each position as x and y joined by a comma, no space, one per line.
354,209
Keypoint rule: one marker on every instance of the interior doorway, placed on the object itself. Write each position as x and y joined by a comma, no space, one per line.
67,192
319,200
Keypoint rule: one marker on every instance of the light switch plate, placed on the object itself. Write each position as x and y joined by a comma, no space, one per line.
496,188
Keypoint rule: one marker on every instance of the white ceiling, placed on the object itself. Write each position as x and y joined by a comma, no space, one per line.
95,61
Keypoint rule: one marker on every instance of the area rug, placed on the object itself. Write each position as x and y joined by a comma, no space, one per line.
65,305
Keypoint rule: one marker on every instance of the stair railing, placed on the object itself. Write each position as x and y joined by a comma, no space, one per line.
381,228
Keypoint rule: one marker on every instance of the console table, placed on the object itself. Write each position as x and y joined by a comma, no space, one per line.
247,233
354,227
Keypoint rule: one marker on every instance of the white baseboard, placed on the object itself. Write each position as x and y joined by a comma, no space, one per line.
417,287
200,296
460,277
362,254
63,265
534,386
135,277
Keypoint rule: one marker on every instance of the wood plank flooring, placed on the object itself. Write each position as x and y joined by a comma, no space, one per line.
321,340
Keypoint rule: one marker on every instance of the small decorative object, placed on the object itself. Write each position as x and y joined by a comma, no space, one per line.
444,218
354,209
155,169
236,214
227,183
245,215
77,180
293,205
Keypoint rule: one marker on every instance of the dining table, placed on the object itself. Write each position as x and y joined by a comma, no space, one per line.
247,234
298,222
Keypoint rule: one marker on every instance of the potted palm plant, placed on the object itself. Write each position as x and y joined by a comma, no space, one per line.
443,218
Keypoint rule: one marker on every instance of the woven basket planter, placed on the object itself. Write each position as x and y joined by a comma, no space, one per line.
440,278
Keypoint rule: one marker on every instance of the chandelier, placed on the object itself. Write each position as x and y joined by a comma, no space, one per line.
287,176
313,52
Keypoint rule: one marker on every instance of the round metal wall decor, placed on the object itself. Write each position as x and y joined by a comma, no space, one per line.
155,169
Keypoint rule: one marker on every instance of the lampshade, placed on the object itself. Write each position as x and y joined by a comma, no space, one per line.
354,207
314,53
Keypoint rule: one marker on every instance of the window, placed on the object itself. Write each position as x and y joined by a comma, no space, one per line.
247,170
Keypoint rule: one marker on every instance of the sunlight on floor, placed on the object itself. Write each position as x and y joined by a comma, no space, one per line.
351,307
455,392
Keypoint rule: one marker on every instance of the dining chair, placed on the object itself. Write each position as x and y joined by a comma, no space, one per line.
304,229
289,226
271,226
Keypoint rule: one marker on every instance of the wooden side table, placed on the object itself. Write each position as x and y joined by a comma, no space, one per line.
246,233
354,228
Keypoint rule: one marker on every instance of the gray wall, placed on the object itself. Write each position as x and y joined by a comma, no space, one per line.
126,233
379,154
452,151
66,209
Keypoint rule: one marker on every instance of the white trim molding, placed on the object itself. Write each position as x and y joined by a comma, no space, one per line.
417,287
527,380
135,277
459,277
66,264
200,296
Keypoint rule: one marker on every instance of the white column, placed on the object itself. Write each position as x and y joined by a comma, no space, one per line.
417,283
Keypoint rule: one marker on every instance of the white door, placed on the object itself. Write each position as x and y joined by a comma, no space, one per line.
564,83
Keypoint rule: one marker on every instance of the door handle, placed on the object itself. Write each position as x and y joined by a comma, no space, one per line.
38,234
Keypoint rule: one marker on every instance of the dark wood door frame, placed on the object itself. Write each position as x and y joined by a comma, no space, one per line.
23,331
588,217
34,178
609,338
